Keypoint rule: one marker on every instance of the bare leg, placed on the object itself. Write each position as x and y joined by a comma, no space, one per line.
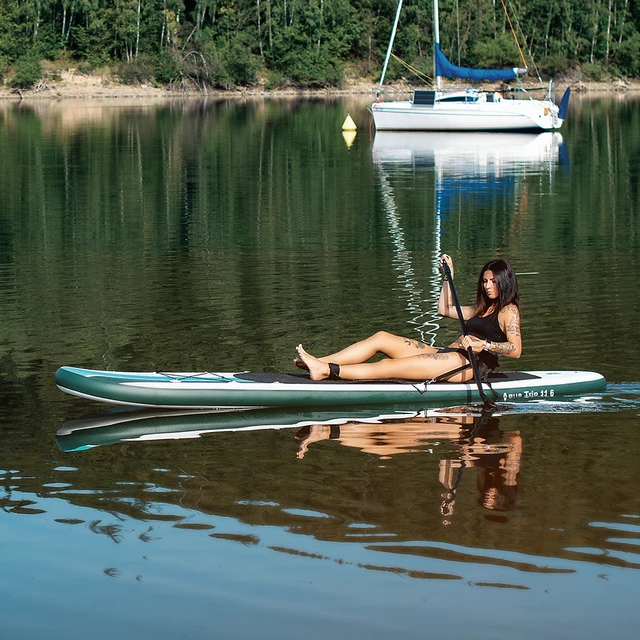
417,367
383,342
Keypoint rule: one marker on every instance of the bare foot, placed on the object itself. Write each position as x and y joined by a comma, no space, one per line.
317,369
300,364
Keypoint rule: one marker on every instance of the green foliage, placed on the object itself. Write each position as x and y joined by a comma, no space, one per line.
309,42
168,67
138,71
305,63
551,66
496,53
311,51
27,71
274,80
13,40
48,42
235,62
91,42
627,55
594,72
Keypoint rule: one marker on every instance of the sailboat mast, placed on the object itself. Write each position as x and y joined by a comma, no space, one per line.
436,41
390,47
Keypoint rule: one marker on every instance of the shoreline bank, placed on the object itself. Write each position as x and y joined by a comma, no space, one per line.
74,85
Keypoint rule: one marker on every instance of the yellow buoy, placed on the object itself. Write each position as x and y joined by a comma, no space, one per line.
349,124
349,137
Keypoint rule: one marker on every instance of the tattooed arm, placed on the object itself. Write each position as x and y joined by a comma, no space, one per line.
509,319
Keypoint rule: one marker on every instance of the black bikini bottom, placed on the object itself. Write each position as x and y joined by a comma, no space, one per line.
484,367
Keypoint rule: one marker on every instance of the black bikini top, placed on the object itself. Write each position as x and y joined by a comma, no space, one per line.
487,328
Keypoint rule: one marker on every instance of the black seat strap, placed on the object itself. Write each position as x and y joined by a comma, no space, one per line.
442,376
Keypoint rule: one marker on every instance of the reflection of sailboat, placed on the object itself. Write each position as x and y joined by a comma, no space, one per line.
469,154
482,166
469,109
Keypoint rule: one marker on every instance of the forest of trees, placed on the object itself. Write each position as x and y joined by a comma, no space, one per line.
308,43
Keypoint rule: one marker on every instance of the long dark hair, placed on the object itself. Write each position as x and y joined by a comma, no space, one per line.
507,284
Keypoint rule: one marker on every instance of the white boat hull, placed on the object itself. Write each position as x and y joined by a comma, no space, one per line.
504,115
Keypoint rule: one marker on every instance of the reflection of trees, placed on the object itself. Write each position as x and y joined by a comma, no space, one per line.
111,225
214,219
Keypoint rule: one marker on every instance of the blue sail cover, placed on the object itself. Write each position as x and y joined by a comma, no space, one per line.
447,70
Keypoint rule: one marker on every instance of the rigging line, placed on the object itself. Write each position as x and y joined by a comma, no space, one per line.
533,63
515,37
404,266
417,72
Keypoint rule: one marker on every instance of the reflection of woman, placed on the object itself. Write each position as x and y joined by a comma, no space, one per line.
387,438
496,456
498,472
493,324
482,445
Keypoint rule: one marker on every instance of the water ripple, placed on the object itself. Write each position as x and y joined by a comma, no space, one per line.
476,556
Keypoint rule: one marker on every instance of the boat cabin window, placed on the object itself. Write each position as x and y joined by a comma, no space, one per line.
459,98
424,98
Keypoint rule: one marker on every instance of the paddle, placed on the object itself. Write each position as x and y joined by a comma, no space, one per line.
489,404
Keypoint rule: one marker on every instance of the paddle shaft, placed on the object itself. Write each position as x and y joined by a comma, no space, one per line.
472,358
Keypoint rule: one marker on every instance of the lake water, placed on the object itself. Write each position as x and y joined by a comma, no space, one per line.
216,235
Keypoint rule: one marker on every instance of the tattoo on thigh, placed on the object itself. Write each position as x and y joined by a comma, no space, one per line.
434,356
414,343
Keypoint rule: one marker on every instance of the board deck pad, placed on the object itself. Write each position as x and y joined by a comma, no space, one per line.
303,378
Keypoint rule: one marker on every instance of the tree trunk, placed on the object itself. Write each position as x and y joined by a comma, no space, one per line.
259,27
606,56
138,27
595,36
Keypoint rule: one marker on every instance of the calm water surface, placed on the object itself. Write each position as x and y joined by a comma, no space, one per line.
217,235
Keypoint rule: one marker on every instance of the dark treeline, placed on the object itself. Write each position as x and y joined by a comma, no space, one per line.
190,43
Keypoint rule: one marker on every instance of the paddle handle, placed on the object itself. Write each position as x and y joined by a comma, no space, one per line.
456,303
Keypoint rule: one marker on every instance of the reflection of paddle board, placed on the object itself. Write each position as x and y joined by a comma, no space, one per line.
129,424
210,390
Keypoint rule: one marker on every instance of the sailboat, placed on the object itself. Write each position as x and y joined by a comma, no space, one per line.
468,109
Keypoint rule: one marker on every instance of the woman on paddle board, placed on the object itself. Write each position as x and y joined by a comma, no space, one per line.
493,326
